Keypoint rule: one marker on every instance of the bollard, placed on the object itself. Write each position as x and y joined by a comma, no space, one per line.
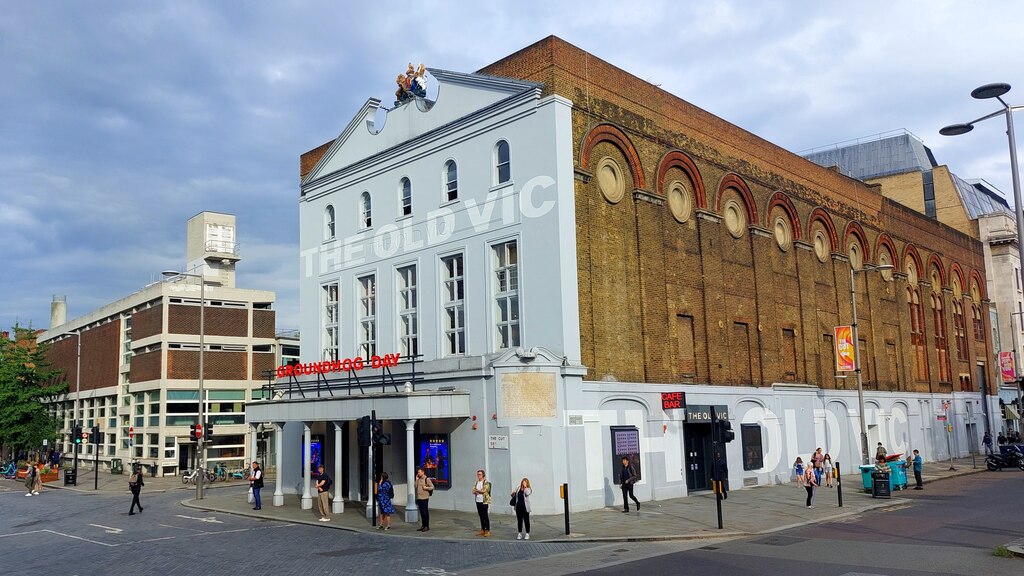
839,484
565,501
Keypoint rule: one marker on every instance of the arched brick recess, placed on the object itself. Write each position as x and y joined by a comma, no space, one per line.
736,183
782,201
890,246
911,252
677,159
956,272
977,279
609,133
854,229
935,263
819,215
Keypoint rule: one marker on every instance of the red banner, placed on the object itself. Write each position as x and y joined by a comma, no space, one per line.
1006,366
845,349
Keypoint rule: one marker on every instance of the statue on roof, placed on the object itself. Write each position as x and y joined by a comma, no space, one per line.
412,84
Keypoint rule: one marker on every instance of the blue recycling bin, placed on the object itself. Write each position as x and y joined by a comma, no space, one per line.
865,476
898,475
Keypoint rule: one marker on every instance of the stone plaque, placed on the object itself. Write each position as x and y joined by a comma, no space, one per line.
527,395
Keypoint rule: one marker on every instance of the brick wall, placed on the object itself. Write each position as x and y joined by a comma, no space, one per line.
145,367
148,322
263,323
668,301
184,365
218,321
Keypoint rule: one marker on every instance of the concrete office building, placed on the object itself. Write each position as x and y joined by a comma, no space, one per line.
566,248
132,366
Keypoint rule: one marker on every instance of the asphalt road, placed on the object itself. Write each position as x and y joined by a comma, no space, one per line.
71,533
952,527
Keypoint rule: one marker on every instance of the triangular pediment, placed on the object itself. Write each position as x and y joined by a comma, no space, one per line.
380,126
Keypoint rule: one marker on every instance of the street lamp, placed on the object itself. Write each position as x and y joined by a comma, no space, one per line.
1016,363
202,351
856,355
996,91
78,381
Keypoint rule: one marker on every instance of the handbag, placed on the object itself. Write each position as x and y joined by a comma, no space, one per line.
251,498
512,502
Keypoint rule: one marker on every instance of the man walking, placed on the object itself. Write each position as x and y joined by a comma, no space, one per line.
424,489
628,477
323,485
917,470
135,484
987,441
256,482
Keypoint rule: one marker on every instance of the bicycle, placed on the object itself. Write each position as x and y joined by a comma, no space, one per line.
220,471
242,473
10,471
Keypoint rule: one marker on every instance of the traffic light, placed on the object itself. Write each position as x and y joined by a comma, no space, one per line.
727,434
94,435
364,431
378,435
76,433
192,432
208,432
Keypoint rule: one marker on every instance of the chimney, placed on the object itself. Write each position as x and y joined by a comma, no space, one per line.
58,311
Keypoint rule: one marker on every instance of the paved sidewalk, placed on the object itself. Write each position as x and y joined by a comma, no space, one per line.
758,510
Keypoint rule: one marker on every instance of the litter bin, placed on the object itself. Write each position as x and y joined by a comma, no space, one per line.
116,466
865,475
70,478
880,487
898,475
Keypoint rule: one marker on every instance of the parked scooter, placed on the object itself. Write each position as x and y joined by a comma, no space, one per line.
1012,458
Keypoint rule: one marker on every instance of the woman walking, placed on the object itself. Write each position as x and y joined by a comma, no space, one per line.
826,464
798,469
32,480
810,483
385,492
521,501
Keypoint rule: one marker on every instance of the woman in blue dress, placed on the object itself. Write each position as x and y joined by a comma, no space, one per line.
385,492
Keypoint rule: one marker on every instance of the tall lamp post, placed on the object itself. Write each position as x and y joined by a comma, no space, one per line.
856,356
78,381
202,351
982,93
1016,365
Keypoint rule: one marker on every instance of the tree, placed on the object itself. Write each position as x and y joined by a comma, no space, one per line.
27,384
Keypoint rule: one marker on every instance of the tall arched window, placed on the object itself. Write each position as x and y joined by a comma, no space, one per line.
941,342
960,329
405,192
365,211
329,223
979,326
502,163
917,336
451,181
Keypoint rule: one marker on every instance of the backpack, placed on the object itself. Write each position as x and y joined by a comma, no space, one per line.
134,480
391,490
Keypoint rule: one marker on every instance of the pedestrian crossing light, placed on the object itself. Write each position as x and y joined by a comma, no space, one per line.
727,434
208,432
192,432
94,435
76,434
364,431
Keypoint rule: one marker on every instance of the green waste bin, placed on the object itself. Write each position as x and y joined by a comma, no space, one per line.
116,466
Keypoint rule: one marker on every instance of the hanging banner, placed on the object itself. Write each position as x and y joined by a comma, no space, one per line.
1006,366
844,349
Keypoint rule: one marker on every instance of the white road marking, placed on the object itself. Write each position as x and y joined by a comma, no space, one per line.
108,529
211,519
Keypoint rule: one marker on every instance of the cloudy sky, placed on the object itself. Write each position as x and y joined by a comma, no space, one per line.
120,120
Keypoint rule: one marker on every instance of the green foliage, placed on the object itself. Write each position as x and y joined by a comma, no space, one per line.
27,383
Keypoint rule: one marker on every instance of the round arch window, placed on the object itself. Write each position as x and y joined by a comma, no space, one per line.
735,218
821,245
783,232
610,180
680,201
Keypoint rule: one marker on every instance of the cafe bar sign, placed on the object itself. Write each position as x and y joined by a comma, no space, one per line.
673,400
701,413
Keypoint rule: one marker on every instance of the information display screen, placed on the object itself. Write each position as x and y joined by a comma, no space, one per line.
625,443
434,456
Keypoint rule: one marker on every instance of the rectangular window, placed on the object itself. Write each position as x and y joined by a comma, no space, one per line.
368,316
742,368
453,286
753,450
506,294
789,363
408,331
686,357
330,322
